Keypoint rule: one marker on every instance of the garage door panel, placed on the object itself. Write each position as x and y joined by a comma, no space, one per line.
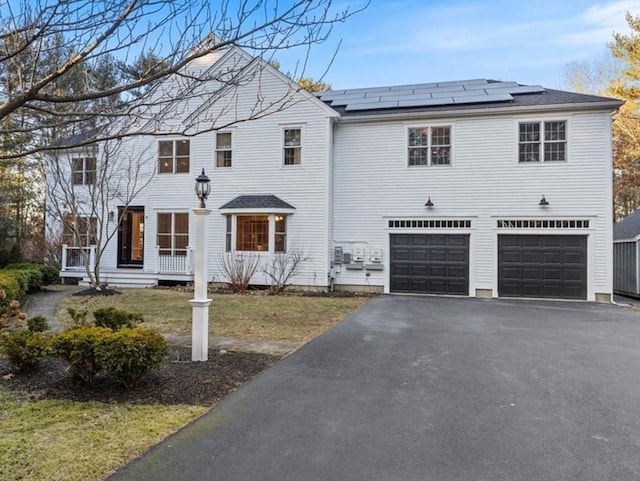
553,266
437,263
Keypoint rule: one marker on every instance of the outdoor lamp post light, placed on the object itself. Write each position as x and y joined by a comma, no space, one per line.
200,303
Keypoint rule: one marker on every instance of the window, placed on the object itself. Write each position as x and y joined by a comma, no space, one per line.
173,233
257,233
80,231
542,141
223,149
430,146
281,233
252,233
173,156
292,146
84,170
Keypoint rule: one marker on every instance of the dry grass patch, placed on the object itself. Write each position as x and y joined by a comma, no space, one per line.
55,440
255,316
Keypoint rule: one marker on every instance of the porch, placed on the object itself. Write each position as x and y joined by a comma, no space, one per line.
167,264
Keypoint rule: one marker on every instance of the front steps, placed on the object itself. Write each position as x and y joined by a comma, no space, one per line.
124,278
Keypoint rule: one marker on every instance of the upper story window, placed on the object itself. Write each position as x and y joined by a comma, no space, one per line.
84,170
542,142
430,146
292,146
173,156
223,149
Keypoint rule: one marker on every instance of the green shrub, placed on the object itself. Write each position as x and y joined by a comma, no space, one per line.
115,318
130,353
37,324
79,318
78,346
24,348
11,285
32,276
48,274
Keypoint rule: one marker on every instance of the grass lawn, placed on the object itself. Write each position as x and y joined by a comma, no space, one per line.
256,316
56,440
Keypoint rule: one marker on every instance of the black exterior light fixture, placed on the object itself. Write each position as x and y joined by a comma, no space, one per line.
429,204
203,188
543,202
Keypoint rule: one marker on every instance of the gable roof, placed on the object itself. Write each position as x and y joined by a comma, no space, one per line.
268,201
627,228
458,95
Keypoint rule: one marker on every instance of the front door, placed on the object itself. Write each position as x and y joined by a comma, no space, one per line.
130,236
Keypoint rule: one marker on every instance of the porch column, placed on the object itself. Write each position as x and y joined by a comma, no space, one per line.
200,303
64,257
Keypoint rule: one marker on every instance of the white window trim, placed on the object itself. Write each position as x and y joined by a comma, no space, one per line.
430,126
284,127
271,214
541,121
233,148
173,228
174,158
84,170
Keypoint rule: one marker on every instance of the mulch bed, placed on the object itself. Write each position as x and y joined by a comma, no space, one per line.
176,381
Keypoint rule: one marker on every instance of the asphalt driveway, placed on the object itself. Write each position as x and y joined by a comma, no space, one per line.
428,388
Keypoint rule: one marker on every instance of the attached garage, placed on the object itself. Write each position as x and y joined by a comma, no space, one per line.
430,263
548,266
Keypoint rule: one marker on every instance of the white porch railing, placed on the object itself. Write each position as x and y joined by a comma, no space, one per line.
175,260
76,258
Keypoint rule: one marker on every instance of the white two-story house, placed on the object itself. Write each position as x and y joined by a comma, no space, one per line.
473,188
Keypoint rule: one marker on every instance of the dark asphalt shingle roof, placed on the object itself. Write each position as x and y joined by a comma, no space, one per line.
627,228
269,201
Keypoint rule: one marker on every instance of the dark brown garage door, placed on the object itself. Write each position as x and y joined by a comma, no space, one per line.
430,263
553,266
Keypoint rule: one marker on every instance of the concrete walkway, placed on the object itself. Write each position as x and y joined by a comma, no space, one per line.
430,389
45,303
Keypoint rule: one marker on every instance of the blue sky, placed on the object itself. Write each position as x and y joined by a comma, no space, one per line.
413,41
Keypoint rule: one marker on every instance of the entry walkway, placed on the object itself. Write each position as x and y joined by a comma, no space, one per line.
430,389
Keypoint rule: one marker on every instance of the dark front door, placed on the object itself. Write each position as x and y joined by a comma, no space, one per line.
553,266
430,263
131,237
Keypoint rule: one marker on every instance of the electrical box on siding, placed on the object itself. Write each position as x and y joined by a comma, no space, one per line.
358,254
376,254
338,257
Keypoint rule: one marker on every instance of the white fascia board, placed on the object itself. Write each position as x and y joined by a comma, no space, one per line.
586,106
262,210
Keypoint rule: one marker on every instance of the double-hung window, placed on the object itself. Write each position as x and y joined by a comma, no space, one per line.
83,170
542,141
173,156
223,149
292,142
80,231
429,146
173,233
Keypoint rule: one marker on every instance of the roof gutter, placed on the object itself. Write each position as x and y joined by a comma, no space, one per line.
611,105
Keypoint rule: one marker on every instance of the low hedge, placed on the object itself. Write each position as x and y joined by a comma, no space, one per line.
10,284
16,280
49,273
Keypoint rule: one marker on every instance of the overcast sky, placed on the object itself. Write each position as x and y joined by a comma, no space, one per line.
413,41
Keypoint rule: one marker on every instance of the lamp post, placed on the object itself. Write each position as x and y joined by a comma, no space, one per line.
200,303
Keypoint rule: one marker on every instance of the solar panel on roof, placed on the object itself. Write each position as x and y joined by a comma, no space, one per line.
424,95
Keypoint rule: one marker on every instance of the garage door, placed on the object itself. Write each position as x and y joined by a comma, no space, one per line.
553,266
430,263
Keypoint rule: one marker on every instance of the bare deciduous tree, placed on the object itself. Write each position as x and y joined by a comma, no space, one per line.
44,44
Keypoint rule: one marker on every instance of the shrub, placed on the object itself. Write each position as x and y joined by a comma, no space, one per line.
11,285
115,318
48,274
79,318
78,346
130,353
24,348
37,324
